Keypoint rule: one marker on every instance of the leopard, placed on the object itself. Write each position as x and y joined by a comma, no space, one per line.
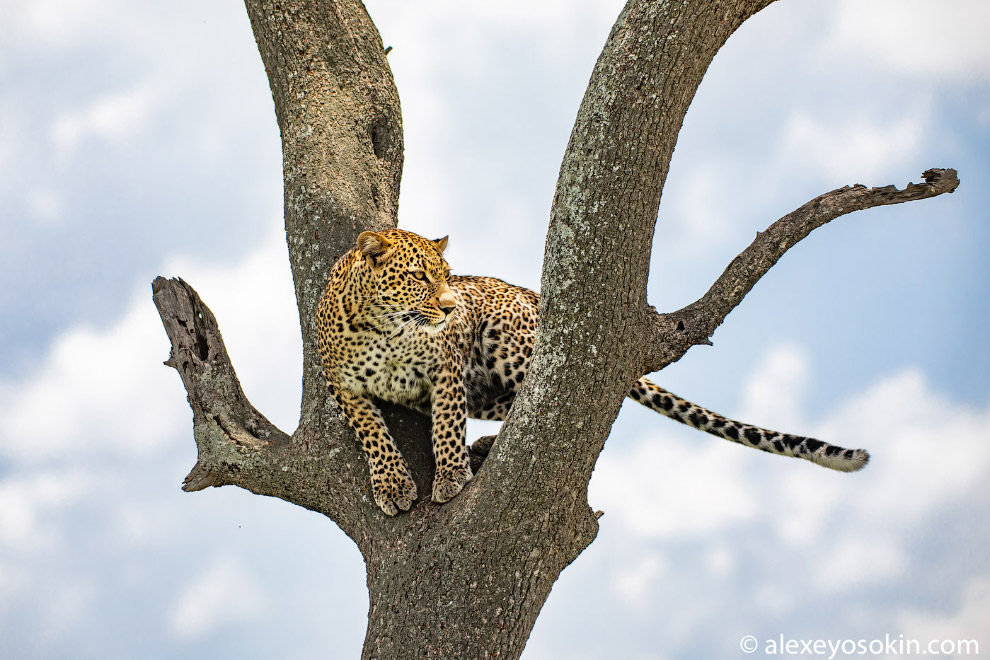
393,324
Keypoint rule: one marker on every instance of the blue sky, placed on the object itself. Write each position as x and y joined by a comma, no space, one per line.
139,139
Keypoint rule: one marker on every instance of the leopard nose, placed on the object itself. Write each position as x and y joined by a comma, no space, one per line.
446,302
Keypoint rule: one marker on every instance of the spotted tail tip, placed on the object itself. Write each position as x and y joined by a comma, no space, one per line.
846,460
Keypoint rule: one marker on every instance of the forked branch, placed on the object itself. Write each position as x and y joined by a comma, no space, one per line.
318,467
676,332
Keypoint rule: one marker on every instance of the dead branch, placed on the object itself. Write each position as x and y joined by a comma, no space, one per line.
674,333
319,467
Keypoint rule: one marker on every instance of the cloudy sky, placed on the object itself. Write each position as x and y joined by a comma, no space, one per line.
139,139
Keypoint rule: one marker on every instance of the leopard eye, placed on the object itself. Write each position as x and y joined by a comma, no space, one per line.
420,275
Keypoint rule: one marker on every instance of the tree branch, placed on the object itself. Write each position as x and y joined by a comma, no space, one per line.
227,428
596,265
674,333
319,467
215,394
342,148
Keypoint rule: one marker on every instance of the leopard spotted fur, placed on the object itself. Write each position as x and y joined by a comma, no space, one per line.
393,324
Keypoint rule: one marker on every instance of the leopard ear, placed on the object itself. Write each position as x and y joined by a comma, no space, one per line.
371,244
441,243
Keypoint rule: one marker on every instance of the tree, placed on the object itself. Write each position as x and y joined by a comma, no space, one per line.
468,579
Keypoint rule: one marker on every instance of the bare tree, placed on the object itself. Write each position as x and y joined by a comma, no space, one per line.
468,578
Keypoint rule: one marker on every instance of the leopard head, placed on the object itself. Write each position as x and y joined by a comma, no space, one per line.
411,276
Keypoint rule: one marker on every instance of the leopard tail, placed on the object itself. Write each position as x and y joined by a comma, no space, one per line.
821,453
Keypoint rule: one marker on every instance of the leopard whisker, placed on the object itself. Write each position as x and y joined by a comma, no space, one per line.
401,327
391,315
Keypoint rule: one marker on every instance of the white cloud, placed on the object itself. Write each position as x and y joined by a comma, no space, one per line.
35,509
774,395
720,560
657,490
106,389
860,558
926,450
11,581
255,306
696,216
62,615
852,150
967,622
773,599
634,582
28,503
914,37
115,117
56,22
773,536
44,204
96,390
223,594
809,506
929,455
481,31
140,524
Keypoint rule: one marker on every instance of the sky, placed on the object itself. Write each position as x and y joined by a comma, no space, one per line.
139,139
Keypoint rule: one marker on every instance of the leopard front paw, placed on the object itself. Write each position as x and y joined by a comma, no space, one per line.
448,483
394,490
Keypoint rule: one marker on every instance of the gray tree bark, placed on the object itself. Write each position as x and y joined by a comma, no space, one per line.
467,579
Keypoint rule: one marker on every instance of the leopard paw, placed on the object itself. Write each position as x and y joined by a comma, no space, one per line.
394,491
449,483
483,445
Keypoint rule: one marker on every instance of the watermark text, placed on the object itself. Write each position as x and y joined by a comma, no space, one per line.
890,645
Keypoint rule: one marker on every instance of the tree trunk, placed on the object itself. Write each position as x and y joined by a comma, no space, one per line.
466,581
469,578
